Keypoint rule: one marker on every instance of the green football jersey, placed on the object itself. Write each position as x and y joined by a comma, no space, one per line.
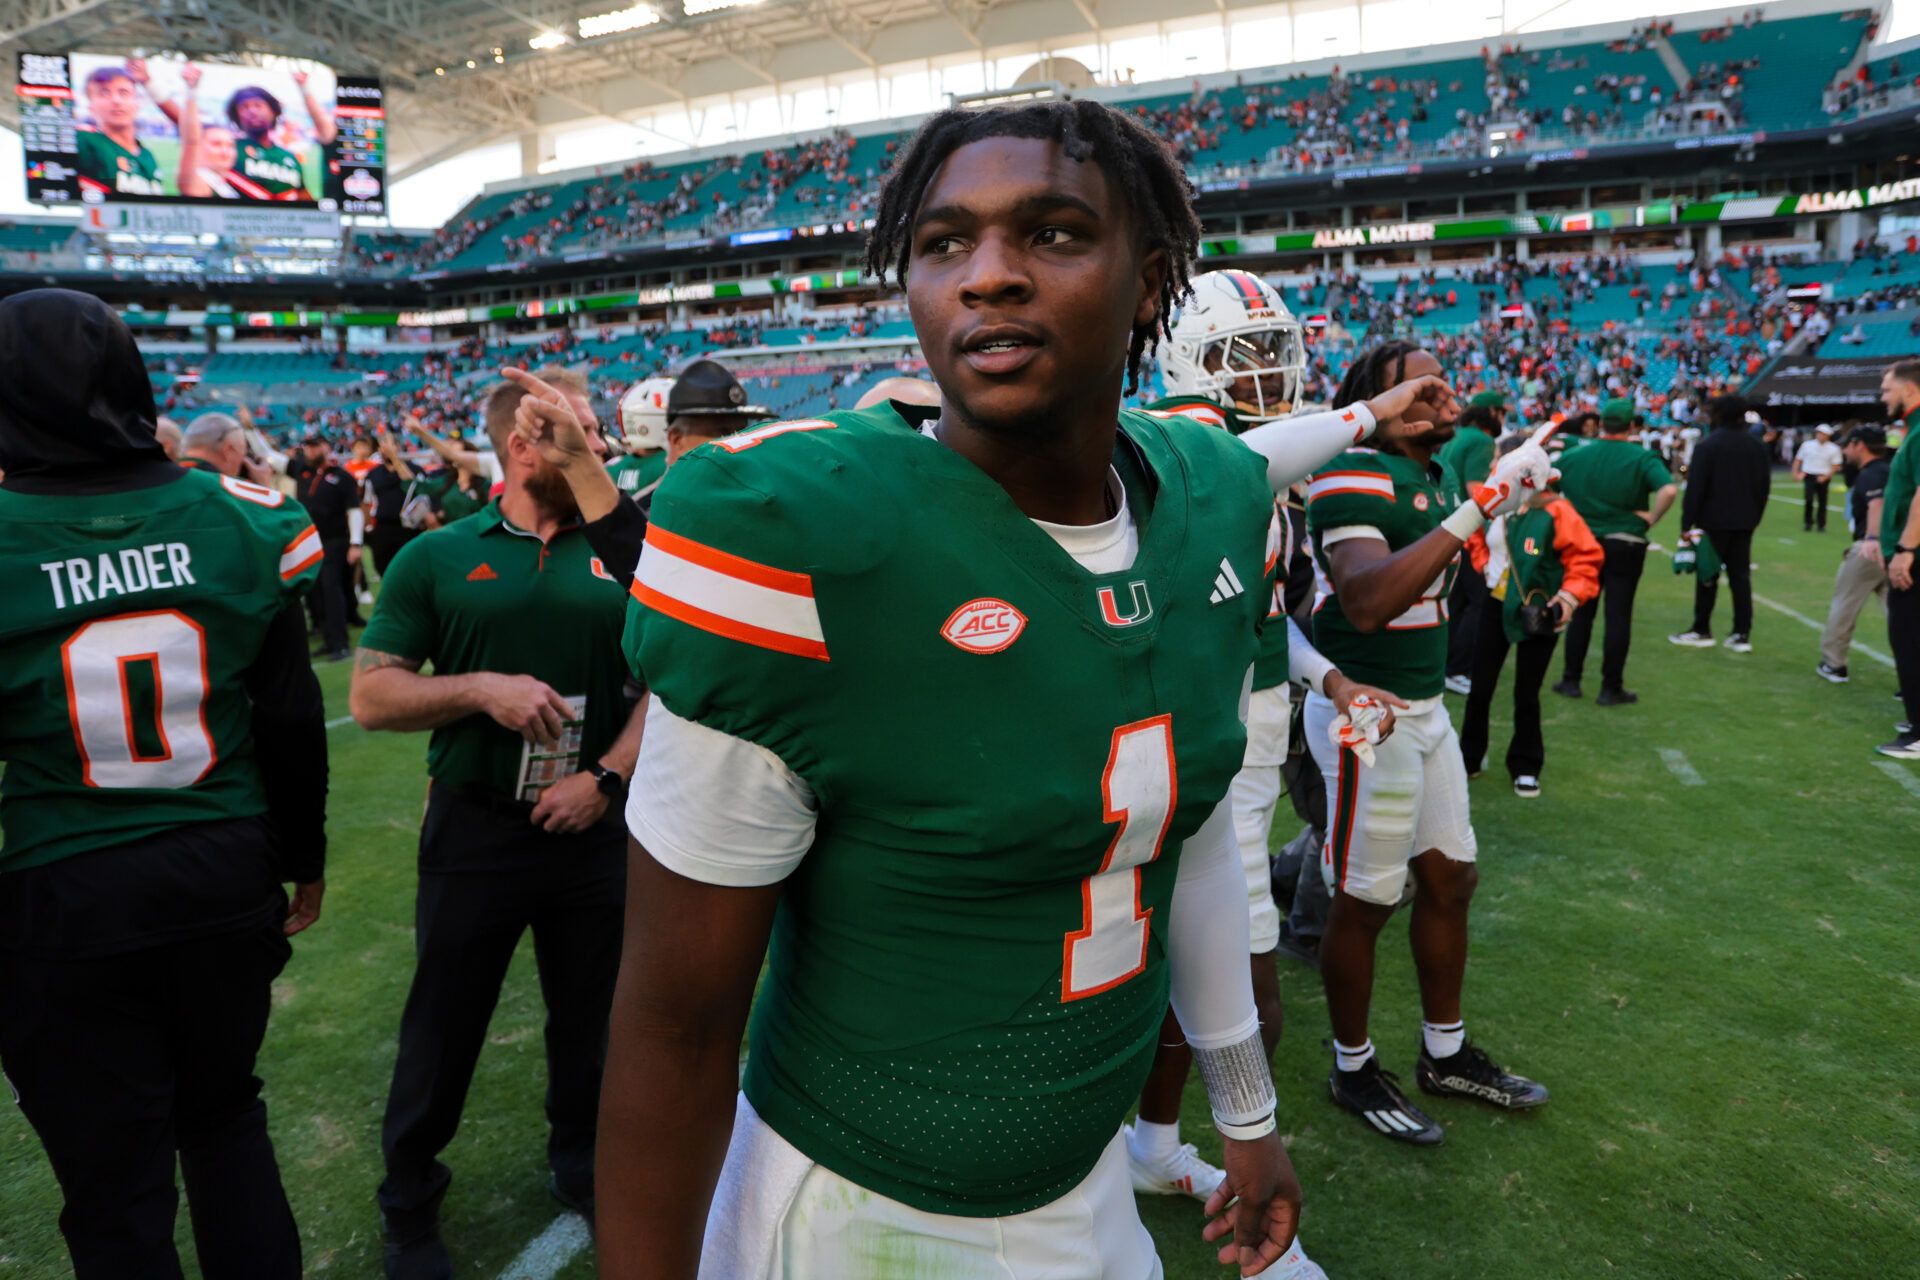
267,172
968,969
105,165
635,473
130,620
1271,667
1364,492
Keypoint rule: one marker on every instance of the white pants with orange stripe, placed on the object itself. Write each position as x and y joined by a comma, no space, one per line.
779,1216
1256,793
1412,798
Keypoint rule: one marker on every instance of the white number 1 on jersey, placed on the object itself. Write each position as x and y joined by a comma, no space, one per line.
1138,790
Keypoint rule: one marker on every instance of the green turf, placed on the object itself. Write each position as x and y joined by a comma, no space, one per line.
1719,983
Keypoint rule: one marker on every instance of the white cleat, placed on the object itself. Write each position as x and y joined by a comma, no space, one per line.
1294,1265
1183,1173
1462,685
1692,640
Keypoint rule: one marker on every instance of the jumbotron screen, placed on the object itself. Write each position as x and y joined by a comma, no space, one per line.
100,128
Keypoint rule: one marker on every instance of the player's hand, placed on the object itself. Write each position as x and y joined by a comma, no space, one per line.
1517,476
137,71
1258,1205
257,471
300,78
191,74
1429,390
1900,571
570,805
527,706
304,907
546,421
1377,714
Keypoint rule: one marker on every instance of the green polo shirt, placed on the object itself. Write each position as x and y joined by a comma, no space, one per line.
482,595
1467,458
1902,481
1609,482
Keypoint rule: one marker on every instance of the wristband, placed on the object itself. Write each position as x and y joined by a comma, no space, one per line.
1902,551
1239,1082
1247,1132
1467,520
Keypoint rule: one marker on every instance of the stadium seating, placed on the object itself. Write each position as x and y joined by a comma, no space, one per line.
1799,58
1565,75
1888,334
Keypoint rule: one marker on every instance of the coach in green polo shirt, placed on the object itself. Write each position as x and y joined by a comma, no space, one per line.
1621,489
1468,459
533,741
1899,538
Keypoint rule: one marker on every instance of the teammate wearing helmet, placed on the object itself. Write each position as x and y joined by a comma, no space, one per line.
643,428
1236,359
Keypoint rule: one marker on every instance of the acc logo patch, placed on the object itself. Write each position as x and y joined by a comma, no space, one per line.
1420,502
985,625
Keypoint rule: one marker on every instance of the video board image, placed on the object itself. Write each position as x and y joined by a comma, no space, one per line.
96,128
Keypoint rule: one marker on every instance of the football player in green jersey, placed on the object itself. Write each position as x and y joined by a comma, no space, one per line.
264,169
643,429
1234,359
1387,527
113,160
166,772
947,706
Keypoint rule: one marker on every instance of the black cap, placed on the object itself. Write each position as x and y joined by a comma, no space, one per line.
316,438
707,387
1869,434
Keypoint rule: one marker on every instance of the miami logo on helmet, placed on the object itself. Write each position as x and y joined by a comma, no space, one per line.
1247,287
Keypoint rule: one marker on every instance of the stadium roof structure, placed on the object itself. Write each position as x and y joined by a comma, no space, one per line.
460,73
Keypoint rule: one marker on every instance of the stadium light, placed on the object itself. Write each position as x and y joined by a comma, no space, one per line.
618,20
548,40
694,8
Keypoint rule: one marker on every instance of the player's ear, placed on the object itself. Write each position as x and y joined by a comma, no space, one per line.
1153,278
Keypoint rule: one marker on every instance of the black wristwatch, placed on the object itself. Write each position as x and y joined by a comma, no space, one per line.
1902,551
610,783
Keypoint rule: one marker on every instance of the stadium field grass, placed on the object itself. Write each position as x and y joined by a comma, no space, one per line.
1718,981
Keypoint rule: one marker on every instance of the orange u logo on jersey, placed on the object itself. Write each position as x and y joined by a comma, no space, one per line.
1142,607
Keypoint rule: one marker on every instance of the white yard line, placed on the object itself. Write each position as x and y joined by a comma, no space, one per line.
1679,766
551,1250
1905,777
1805,621
337,721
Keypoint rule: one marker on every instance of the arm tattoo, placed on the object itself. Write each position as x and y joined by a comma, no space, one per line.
373,660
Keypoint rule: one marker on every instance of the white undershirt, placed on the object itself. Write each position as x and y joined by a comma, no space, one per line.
765,827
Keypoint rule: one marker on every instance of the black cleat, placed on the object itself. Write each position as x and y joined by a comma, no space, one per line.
416,1253
1470,1073
580,1203
1616,697
1568,689
1374,1095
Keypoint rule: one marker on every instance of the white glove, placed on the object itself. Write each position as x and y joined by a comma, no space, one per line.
1516,477
1357,729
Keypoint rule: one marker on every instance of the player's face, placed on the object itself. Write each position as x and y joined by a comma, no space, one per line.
218,149
1025,284
1260,393
1898,395
255,116
1420,364
113,102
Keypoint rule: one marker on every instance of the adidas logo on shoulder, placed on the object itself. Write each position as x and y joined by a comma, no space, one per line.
1226,584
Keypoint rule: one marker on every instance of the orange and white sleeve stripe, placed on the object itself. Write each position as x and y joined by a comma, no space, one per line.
729,595
303,551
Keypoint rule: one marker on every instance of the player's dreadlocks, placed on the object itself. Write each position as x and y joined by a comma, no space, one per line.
1138,165
1375,370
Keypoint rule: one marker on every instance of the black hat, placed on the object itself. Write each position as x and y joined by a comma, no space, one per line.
707,388
1869,434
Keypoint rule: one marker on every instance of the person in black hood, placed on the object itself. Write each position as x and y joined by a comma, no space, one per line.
166,773
1726,495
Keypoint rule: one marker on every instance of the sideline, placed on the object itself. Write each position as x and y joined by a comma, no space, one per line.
551,1250
1679,766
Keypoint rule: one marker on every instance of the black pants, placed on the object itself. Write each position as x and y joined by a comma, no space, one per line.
486,877
1816,494
1527,750
384,541
123,1062
1463,615
327,601
1903,634
1735,549
1619,582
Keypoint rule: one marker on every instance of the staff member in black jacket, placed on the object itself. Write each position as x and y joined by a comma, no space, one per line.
385,490
329,493
1726,496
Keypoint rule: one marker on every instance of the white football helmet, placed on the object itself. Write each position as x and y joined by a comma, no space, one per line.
643,414
1237,323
